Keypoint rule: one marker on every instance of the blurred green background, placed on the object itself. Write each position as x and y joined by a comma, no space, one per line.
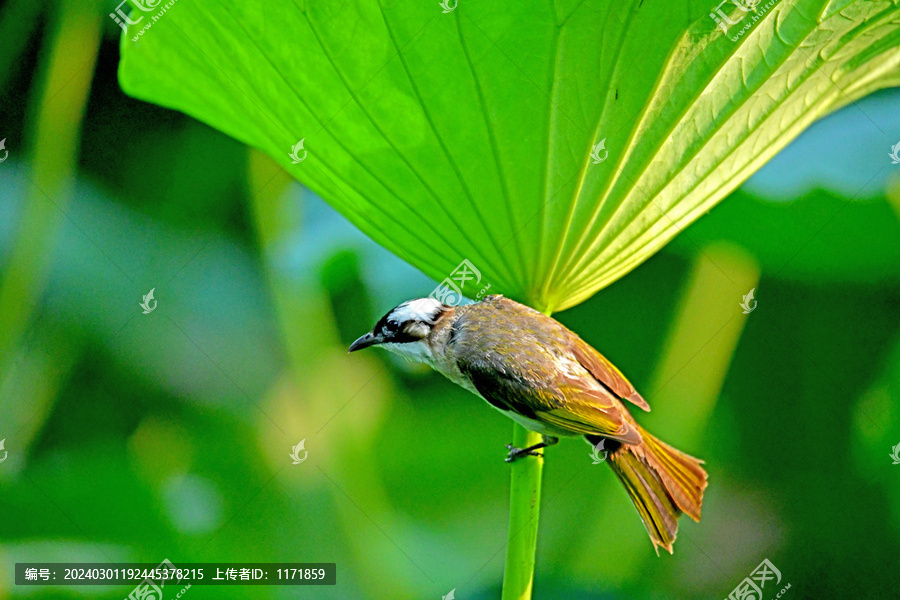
139,437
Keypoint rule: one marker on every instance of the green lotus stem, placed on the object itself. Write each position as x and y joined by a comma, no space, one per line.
58,103
524,510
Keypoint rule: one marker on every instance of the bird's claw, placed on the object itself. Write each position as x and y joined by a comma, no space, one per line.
517,453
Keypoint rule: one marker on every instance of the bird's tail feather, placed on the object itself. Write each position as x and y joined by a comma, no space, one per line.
662,482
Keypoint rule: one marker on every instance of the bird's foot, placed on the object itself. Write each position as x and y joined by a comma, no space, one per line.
517,453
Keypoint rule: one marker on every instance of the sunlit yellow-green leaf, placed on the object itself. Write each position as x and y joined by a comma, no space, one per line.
554,145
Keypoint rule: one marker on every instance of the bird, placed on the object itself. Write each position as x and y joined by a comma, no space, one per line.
545,377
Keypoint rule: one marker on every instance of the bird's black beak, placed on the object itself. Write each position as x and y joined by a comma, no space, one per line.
364,342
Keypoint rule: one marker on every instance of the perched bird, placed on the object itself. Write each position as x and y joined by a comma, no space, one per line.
542,375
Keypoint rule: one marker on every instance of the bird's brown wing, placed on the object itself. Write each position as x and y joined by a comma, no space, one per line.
605,372
592,413
532,371
543,397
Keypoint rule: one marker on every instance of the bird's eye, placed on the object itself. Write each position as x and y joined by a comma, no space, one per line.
393,325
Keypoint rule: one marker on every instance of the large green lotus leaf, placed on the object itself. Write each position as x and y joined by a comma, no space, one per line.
469,134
